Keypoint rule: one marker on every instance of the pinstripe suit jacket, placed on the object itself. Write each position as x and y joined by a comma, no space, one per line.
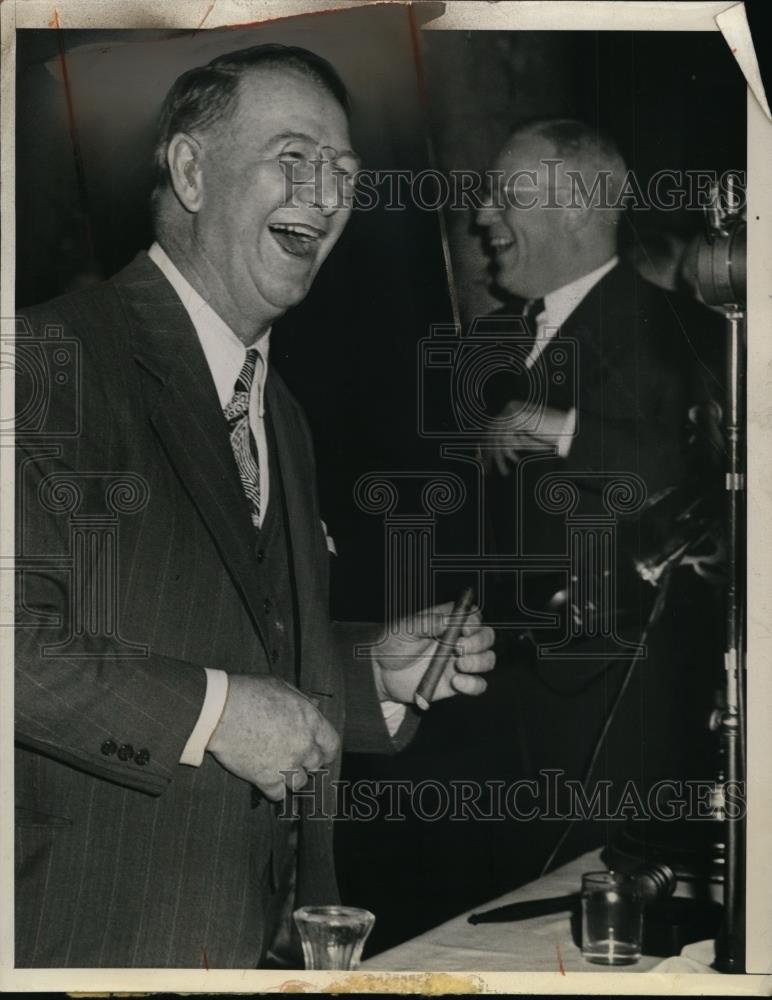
136,571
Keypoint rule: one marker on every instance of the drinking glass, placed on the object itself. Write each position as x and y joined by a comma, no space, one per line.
333,936
612,918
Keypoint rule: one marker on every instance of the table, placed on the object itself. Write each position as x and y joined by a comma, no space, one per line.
542,944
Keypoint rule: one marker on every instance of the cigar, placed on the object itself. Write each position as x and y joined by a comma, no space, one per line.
445,648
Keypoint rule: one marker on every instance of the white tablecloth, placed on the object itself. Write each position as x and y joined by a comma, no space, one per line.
542,944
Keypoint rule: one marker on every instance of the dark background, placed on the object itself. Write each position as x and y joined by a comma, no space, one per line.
671,100
350,350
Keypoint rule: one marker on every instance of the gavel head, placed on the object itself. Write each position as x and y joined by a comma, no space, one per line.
655,881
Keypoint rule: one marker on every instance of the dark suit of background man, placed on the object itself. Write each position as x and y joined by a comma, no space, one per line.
149,784
644,360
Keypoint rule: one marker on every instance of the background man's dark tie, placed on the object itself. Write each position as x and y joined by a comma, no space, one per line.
532,309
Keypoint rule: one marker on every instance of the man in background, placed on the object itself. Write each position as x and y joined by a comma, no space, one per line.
173,691
612,374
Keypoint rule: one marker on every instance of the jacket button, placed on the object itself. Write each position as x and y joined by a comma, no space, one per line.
267,605
259,555
142,756
108,748
126,752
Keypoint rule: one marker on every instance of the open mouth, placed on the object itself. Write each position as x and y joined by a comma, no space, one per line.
501,242
295,238
504,250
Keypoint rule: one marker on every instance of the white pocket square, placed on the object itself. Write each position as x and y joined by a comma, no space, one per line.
329,540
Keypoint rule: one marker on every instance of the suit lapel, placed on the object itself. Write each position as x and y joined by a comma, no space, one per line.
605,326
185,413
596,322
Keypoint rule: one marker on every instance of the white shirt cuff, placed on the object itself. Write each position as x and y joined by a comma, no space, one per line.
211,710
569,429
393,715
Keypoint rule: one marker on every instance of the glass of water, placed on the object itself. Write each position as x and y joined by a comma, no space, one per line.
612,918
333,936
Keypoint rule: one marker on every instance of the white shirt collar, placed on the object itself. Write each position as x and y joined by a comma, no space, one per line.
559,305
224,351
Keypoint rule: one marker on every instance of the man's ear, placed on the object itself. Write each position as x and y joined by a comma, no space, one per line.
183,157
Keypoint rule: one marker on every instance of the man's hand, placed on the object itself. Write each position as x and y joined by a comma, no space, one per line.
404,659
267,727
522,427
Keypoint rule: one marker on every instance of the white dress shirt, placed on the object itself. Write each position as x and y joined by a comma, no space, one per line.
558,306
225,355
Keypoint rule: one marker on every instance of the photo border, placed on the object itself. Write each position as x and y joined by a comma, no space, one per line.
459,15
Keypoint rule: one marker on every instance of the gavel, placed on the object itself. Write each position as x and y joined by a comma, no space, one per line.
655,881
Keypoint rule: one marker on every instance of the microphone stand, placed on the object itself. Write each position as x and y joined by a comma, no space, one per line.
721,263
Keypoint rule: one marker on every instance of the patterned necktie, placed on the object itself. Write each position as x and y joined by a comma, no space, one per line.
242,440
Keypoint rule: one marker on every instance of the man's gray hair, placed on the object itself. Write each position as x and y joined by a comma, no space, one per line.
583,147
205,95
